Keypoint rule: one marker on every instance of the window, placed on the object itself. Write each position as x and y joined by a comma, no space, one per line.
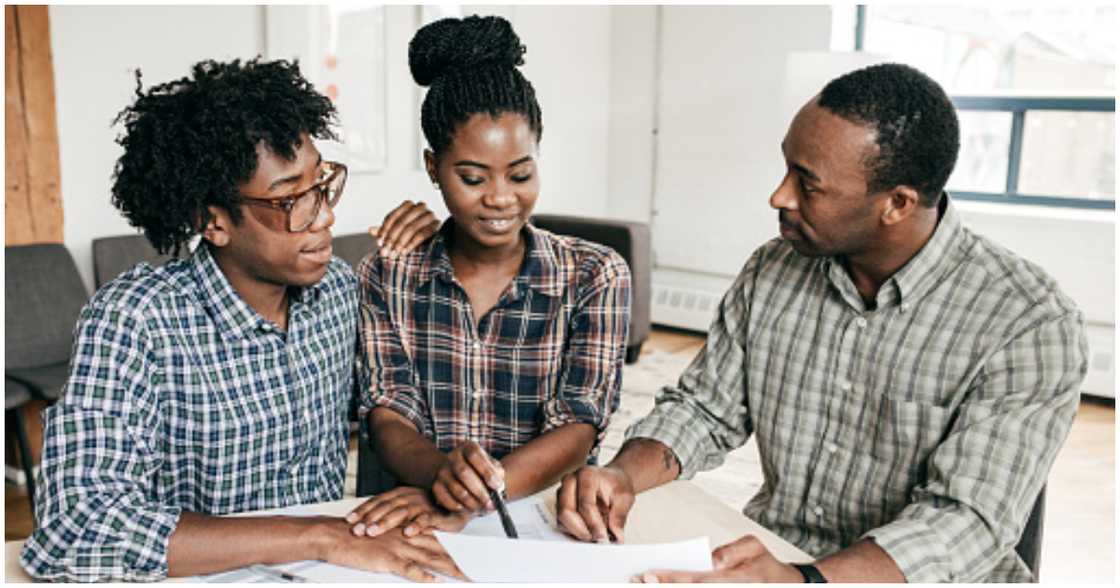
1034,86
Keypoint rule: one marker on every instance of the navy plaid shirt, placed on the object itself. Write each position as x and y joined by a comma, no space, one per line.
549,353
182,398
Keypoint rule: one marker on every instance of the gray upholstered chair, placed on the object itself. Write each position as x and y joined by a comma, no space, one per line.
352,247
43,296
632,241
112,256
16,395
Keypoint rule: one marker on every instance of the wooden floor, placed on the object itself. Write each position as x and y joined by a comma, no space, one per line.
1078,546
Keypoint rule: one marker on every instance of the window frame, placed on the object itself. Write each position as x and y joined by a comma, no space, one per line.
1018,106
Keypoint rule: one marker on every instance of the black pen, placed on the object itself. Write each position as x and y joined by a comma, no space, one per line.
499,498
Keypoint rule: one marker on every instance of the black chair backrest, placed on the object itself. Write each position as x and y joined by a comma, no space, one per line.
1030,543
112,256
353,247
44,295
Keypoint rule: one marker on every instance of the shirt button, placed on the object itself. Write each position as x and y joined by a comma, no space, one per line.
845,385
817,510
861,322
307,415
904,308
478,394
293,468
477,345
831,447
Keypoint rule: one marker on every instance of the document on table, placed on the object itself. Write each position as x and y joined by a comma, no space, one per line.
497,559
484,554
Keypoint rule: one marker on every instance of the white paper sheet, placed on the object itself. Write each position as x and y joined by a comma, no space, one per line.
492,559
530,516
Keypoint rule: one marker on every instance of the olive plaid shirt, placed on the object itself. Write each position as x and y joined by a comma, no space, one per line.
549,353
182,398
928,423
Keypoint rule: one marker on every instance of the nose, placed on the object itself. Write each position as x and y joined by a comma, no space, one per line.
784,197
502,196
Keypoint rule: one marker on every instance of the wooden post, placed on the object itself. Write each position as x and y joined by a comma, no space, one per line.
32,195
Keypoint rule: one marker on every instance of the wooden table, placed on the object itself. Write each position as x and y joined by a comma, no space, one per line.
673,512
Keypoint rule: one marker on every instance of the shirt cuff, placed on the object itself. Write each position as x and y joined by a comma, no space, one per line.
398,403
916,548
676,428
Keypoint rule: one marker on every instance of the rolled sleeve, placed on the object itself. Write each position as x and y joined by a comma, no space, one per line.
982,481
705,415
385,372
595,350
97,516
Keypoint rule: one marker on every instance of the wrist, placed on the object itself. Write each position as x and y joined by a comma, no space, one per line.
323,537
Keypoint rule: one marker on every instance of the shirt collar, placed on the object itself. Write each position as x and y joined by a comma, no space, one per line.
939,254
539,271
229,311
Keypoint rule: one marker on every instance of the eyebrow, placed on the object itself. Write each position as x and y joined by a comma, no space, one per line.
470,163
292,178
802,170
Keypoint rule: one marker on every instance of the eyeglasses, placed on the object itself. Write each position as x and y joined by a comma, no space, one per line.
302,208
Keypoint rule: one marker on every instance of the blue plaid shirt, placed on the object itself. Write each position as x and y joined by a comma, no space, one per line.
182,397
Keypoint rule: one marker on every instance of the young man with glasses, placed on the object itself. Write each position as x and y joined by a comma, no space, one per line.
218,383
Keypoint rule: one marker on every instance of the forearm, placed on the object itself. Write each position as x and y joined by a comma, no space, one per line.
204,544
647,463
406,453
862,562
539,463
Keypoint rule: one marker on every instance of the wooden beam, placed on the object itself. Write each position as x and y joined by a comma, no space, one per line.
17,212
32,197
45,195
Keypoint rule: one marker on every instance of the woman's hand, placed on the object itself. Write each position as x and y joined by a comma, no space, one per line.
395,508
407,226
464,482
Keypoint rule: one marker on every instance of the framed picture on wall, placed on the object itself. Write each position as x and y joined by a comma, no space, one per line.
341,50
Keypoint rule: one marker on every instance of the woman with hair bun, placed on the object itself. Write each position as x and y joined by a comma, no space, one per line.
493,352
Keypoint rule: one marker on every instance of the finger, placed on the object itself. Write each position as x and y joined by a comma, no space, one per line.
419,524
659,576
444,497
421,235
566,513
398,517
616,520
360,511
485,467
409,570
417,219
385,518
742,549
467,485
588,500
400,225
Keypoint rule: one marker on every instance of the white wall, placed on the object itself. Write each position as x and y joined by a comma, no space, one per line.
718,158
96,48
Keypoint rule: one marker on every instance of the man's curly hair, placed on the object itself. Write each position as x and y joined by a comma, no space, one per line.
915,125
188,144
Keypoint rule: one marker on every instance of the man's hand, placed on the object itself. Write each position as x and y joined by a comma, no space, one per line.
407,226
389,510
743,560
591,495
463,484
393,552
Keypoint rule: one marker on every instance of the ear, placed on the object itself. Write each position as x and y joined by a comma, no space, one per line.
430,166
217,227
901,203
